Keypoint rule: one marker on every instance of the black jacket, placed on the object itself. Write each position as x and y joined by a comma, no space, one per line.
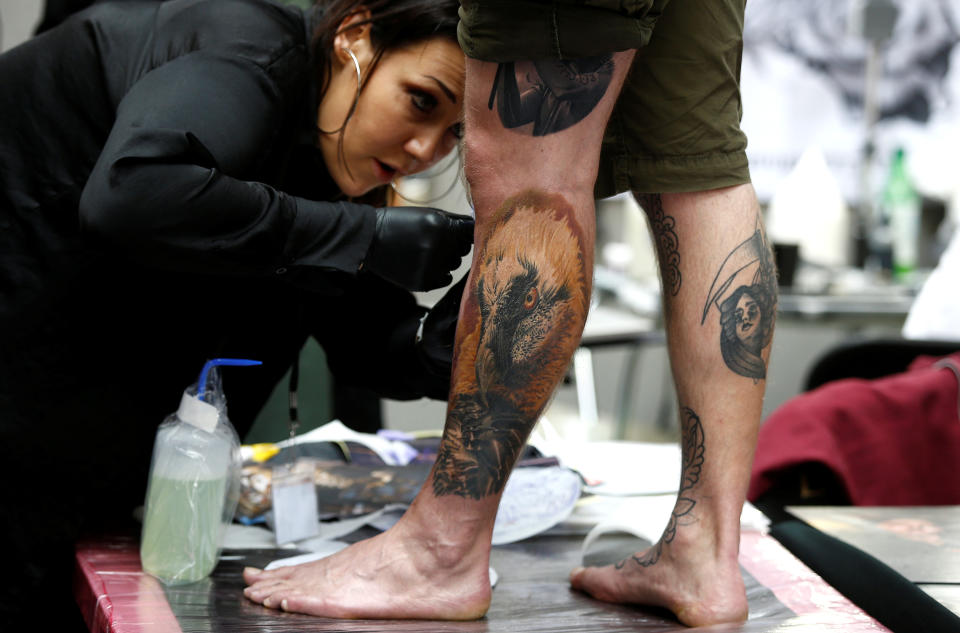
161,203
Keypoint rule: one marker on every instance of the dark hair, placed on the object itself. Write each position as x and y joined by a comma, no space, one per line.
393,24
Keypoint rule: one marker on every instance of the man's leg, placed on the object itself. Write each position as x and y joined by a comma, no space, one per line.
719,293
532,151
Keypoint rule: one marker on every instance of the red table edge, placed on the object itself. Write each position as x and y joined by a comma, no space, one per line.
104,614
757,547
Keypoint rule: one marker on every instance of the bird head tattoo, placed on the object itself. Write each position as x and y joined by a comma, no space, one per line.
532,296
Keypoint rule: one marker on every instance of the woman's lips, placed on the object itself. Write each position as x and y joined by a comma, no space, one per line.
383,171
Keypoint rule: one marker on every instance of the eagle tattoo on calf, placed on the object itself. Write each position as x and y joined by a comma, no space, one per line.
524,314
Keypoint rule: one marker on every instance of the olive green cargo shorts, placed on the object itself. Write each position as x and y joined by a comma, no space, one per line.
676,125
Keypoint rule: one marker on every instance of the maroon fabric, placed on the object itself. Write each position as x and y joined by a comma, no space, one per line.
891,441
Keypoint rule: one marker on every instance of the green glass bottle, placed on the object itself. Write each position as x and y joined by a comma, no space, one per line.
901,204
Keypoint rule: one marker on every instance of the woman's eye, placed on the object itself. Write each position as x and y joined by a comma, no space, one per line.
423,101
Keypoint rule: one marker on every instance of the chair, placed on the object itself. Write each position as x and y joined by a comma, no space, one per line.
888,439
871,359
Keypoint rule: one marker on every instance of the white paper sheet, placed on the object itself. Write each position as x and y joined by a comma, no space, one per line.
618,468
393,452
646,517
534,500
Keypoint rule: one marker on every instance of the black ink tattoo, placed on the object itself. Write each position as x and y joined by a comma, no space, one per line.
529,300
663,227
744,292
476,458
551,94
692,462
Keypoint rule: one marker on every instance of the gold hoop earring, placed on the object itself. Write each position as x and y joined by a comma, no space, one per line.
356,99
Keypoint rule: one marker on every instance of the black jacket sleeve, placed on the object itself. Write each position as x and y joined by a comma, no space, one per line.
369,337
170,189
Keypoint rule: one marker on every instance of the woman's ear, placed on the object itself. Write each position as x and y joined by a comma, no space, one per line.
354,34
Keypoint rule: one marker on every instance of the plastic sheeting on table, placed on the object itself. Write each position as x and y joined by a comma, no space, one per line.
533,595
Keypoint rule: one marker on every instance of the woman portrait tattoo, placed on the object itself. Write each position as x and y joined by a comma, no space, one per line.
744,292
746,326
551,94
663,228
693,447
523,317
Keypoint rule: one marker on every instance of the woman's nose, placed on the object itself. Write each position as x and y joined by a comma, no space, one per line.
426,148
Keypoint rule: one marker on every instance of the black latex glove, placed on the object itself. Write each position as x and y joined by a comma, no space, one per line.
435,336
417,247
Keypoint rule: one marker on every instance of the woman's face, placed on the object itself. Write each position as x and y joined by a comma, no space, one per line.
407,118
748,319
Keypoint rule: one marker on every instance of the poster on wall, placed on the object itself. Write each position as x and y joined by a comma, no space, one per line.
804,83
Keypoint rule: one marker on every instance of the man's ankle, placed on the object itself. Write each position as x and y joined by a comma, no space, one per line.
709,535
449,543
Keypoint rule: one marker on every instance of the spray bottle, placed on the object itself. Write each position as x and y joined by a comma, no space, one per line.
194,483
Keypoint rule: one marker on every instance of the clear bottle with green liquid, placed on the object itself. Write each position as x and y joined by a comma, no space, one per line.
194,484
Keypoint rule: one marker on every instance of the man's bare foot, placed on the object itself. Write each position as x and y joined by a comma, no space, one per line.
399,574
700,590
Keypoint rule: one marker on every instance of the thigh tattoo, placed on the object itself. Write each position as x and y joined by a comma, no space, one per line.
552,95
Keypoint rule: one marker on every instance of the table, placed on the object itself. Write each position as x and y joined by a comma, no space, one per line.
921,543
532,595
891,306
605,326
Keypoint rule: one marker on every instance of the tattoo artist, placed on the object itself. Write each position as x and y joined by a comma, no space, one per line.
193,179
